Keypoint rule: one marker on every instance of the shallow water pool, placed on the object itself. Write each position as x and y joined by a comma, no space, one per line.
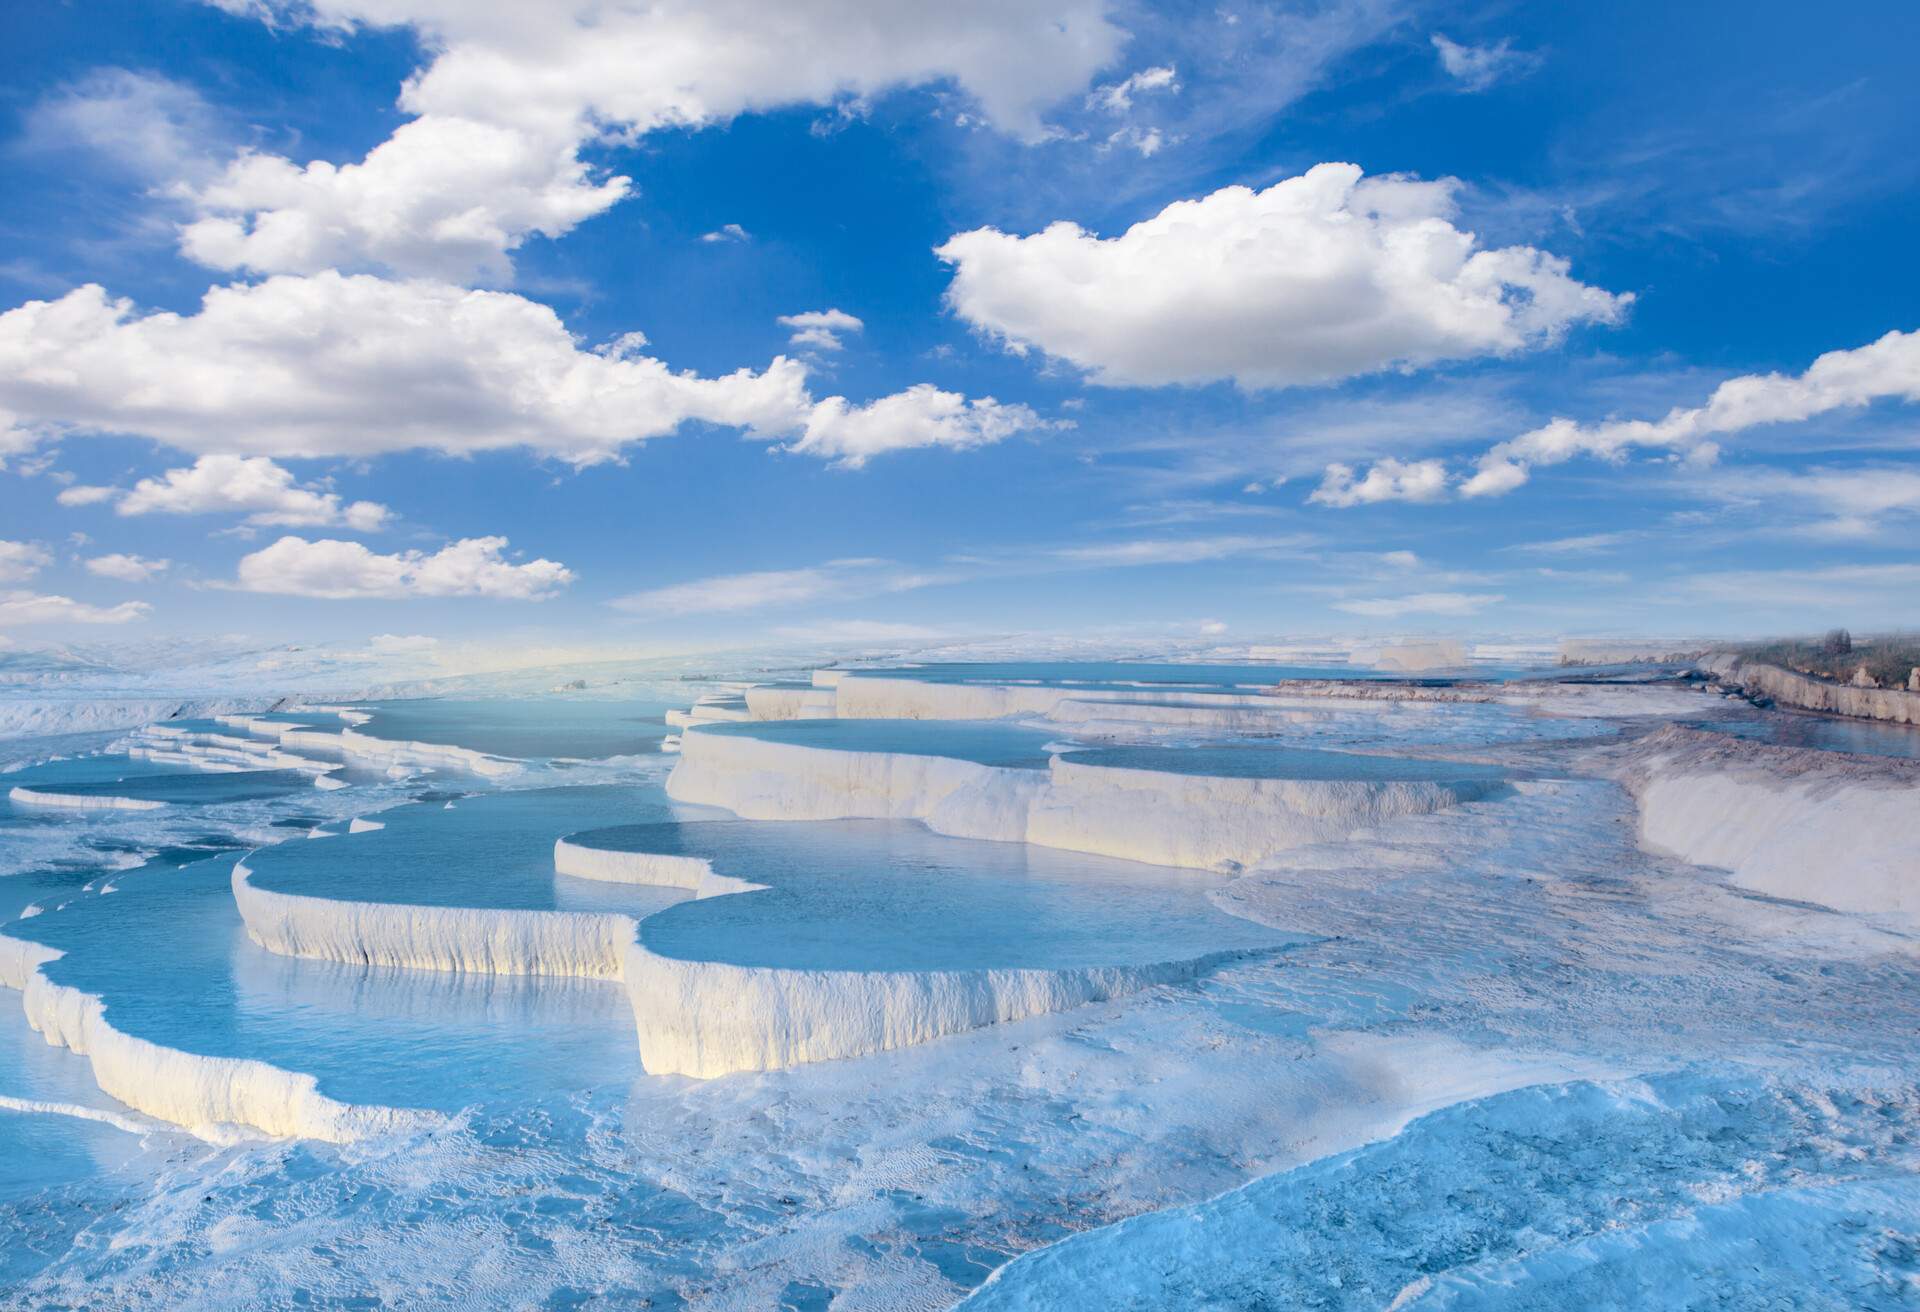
1264,762
169,956
524,729
985,742
191,789
491,850
871,895
1820,733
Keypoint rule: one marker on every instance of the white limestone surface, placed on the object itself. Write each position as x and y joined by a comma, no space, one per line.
203,1094
81,801
1841,831
707,1019
776,703
358,746
692,1018
610,866
1193,821
1213,823
478,939
761,780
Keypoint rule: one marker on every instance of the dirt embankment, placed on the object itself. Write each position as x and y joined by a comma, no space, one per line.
1894,705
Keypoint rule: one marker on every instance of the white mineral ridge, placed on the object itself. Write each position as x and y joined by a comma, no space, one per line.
35,717
81,801
872,697
206,1095
1842,831
608,866
1245,709
488,941
216,752
693,1018
1210,823
811,703
359,746
1229,714
706,1019
1193,821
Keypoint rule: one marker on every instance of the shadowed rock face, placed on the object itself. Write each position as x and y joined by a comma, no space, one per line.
1896,705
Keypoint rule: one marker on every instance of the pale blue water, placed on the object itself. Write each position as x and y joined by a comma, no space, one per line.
1273,762
1788,729
39,1150
892,895
987,742
194,788
94,768
491,850
1231,675
168,954
523,729
1119,674
1779,1172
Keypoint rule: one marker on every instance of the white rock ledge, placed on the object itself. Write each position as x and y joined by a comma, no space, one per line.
481,940
1839,830
695,1018
82,801
706,1019
357,746
206,1095
1221,823
1194,821
611,866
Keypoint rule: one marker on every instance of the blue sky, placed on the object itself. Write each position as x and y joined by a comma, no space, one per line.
1371,318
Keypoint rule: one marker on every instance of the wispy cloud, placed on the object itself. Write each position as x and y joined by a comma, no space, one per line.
1476,68
1420,603
1580,545
858,579
776,589
43,608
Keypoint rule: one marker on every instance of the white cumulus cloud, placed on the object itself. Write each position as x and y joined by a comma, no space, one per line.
338,570
514,91
921,416
1387,480
1320,277
127,568
442,197
253,486
338,365
821,329
355,365
1887,369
